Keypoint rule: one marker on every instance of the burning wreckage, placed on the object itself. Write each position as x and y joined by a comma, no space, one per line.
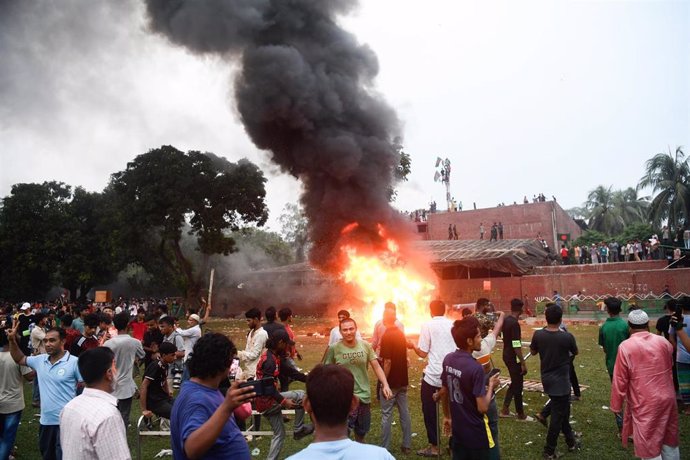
368,282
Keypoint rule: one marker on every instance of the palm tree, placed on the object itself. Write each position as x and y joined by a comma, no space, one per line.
669,175
603,215
631,208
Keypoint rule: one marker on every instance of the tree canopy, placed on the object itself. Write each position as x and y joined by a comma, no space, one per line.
50,235
165,189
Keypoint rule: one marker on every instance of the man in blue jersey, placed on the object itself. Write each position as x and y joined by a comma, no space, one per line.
465,396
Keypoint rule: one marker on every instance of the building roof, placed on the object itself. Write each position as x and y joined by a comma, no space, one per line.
517,257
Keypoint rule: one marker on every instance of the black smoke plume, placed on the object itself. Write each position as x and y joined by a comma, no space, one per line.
305,92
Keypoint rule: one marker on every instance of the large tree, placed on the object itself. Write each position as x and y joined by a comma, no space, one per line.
91,253
668,174
32,223
295,229
51,236
164,191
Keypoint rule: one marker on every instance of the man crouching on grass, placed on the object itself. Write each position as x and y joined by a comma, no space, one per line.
465,396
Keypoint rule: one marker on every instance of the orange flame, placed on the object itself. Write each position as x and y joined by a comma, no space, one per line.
383,277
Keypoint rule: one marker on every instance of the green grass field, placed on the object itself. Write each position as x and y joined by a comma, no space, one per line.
518,440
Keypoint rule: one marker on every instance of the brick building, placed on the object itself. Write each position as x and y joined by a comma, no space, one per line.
520,221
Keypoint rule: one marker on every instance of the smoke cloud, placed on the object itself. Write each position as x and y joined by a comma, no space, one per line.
305,92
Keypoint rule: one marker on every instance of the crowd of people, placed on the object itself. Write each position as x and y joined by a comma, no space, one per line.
83,364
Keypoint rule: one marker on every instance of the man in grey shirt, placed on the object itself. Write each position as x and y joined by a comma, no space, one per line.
126,350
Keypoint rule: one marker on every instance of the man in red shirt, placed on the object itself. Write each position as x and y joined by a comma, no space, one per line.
138,326
72,334
88,340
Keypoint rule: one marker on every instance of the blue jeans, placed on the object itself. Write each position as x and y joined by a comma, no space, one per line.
9,423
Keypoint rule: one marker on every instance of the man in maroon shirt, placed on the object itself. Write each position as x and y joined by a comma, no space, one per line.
88,340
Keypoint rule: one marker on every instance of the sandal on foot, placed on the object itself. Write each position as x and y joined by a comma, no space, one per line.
427,452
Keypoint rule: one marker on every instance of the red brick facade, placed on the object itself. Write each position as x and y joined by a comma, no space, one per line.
567,281
521,221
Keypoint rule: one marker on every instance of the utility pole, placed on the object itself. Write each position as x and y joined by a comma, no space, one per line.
443,174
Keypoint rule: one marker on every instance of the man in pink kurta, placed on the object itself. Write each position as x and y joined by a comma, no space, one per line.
643,378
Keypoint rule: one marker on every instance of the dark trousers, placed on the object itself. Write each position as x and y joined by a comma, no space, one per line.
125,407
162,408
459,452
49,442
560,423
515,387
429,411
492,415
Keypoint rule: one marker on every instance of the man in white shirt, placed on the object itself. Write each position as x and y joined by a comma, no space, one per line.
329,410
190,335
256,343
91,427
126,349
435,342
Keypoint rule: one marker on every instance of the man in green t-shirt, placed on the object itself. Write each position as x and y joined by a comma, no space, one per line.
357,355
611,334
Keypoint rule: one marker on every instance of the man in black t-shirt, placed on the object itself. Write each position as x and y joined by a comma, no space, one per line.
271,325
155,396
153,337
555,347
393,352
514,361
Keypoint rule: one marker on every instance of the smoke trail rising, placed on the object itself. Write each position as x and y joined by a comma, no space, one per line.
305,92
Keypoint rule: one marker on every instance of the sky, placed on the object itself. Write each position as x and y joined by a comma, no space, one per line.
522,97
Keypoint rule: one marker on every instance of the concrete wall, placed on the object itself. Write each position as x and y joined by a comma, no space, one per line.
600,268
522,221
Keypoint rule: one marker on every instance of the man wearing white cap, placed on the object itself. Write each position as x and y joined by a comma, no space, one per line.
190,337
643,378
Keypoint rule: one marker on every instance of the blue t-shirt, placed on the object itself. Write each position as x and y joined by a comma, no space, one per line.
58,383
193,407
463,378
343,449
